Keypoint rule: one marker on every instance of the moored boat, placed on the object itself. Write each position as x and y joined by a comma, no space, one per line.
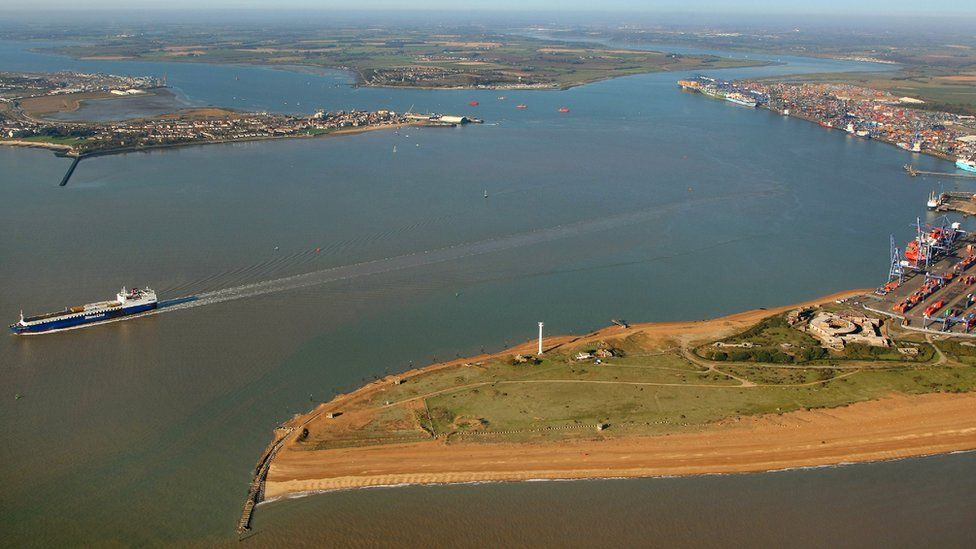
966,164
740,99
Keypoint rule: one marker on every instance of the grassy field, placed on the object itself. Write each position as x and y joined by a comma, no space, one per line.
70,141
647,387
413,58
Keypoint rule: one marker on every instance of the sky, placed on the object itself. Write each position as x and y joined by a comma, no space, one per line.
838,7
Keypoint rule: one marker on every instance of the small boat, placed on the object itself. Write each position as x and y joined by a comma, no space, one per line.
473,103
394,149
486,193
933,201
563,109
521,106
501,97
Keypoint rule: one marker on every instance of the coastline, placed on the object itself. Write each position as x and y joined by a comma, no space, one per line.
881,139
69,151
894,427
65,149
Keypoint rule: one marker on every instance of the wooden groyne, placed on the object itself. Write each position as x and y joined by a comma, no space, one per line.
257,481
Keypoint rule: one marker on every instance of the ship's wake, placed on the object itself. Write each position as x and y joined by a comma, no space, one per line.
412,260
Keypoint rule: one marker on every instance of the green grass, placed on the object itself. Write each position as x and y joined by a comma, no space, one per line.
644,389
71,141
545,410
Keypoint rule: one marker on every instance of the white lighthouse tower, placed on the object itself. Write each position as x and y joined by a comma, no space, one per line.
541,324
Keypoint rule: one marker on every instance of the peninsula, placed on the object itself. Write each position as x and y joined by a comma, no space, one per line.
28,102
819,383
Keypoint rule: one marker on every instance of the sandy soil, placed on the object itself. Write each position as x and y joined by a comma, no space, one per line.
47,104
38,107
894,427
890,428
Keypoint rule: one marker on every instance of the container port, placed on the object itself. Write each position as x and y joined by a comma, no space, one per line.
931,284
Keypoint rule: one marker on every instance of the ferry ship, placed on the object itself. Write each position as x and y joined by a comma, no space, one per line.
966,164
127,302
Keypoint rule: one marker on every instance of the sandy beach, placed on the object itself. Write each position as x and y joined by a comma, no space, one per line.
891,428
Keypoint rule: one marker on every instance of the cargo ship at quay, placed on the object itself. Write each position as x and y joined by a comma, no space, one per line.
720,89
126,303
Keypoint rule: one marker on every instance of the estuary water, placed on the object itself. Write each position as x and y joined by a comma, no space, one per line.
643,202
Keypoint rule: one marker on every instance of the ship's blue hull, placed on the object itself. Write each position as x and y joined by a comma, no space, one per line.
62,323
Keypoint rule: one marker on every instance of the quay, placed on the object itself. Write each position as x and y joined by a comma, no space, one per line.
913,172
937,296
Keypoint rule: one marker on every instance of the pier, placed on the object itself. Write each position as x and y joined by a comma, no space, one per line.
910,170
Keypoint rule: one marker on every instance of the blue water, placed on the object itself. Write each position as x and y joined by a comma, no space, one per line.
657,205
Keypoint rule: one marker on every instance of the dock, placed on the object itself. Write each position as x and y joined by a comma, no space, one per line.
937,294
910,170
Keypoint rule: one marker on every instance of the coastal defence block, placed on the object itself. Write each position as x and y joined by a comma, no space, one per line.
835,331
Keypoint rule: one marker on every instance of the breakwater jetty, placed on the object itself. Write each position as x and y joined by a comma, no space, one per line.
257,481
71,170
